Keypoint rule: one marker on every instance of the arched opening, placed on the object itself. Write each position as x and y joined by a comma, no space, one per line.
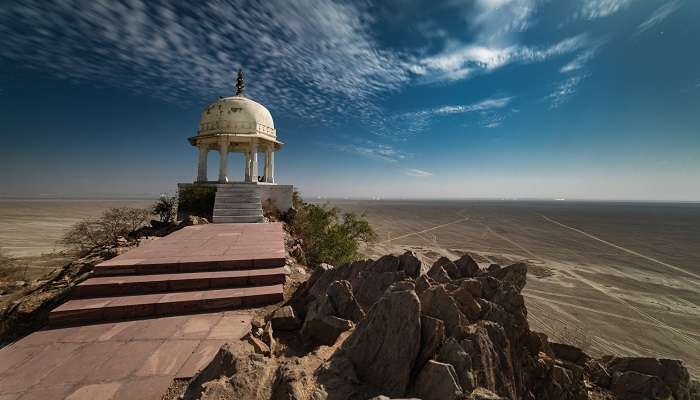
213,166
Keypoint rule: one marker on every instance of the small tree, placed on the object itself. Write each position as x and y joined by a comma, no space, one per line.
113,224
329,237
165,208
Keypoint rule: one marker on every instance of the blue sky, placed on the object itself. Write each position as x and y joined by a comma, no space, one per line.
585,99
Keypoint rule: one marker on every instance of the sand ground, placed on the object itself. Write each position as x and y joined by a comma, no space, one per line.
613,278
34,227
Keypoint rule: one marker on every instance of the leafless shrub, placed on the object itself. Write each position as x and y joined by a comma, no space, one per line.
113,224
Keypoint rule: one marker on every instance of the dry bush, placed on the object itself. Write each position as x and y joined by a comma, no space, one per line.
165,208
113,224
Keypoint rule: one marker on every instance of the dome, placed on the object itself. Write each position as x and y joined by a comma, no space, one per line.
236,115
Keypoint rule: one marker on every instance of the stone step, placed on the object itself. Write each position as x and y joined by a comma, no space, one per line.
238,192
239,186
237,203
241,212
237,206
105,309
251,260
106,286
236,219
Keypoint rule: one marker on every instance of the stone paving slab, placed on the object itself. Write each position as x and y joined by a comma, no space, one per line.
204,247
122,360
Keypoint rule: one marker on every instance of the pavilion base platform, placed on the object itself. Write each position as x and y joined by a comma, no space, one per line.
244,201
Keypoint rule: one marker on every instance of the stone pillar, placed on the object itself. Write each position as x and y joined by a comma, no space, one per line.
223,161
202,165
254,160
270,166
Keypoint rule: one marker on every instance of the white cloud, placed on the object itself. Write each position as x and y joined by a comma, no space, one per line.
419,173
578,62
407,124
497,25
564,91
306,57
483,105
373,151
593,9
659,15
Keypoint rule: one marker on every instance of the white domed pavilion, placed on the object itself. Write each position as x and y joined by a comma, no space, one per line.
237,124
241,125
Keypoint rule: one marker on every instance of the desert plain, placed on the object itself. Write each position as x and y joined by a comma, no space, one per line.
611,277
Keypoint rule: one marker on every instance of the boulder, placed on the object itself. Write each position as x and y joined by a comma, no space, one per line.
259,346
516,274
437,381
569,353
632,385
492,357
564,384
388,263
431,338
343,301
437,303
324,330
452,353
438,274
422,283
468,268
598,373
466,302
471,285
369,286
670,372
283,319
384,347
410,265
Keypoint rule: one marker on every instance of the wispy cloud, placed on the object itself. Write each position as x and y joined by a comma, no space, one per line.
592,9
305,57
497,25
419,173
483,105
659,15
462,61
407,124
565,90
373,151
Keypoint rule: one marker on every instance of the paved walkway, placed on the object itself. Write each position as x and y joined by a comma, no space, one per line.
148,317
134,360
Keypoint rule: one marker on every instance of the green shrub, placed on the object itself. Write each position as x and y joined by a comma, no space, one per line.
329,237
114,223
165,208
197,200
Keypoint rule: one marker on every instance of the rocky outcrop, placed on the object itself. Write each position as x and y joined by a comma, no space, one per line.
383,349
453,331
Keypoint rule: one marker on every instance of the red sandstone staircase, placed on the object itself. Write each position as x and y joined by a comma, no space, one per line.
200,268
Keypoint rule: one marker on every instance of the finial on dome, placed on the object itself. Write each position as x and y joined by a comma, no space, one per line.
240,85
